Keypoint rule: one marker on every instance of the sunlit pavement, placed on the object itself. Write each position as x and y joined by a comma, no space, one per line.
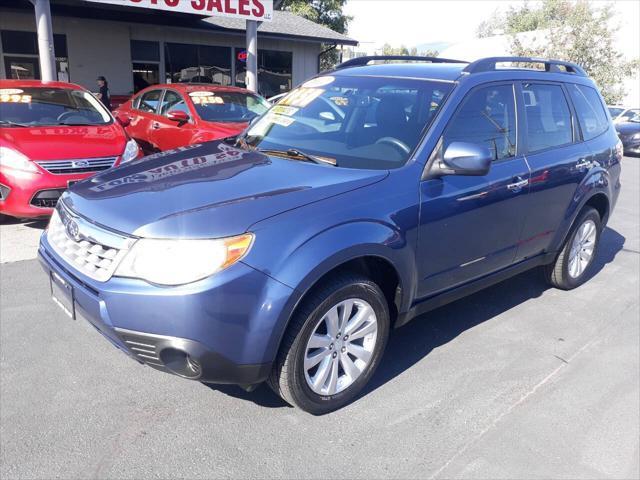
516,381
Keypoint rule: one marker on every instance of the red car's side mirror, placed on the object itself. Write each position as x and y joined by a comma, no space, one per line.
122,120
178,116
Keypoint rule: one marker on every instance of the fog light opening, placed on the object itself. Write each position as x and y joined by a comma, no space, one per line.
181,363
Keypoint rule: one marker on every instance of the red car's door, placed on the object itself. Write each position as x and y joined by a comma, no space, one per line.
167,133
141,115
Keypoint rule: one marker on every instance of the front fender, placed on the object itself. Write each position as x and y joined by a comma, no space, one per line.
304,265
342,243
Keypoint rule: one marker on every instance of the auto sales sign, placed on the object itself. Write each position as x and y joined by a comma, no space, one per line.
260,10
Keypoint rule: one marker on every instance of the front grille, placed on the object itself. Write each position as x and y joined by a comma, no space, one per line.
46,198
84,165
75,241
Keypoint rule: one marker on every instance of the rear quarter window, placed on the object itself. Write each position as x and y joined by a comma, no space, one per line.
589,109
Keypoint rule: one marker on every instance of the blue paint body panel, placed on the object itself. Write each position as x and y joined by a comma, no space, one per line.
437,233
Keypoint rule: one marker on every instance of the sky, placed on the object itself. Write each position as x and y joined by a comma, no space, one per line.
417,22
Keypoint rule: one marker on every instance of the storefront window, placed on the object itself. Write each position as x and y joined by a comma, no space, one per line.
145,75
145,64
20,52
198,63
274,71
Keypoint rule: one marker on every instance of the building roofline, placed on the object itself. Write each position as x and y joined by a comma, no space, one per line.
117,13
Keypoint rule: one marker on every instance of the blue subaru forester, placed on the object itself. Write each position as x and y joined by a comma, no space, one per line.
368,195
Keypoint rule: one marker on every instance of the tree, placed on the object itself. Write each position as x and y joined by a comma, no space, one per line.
402,50
324,12
575,31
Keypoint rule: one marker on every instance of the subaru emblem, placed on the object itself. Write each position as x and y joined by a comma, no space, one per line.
72,230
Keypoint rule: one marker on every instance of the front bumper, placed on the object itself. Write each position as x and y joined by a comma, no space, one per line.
224,329
33,195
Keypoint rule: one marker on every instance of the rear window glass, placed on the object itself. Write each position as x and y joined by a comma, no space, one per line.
548,116
35,106
591,114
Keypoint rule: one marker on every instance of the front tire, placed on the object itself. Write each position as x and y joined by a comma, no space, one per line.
333,345
572,266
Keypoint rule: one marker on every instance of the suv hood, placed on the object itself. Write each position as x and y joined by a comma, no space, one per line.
206,191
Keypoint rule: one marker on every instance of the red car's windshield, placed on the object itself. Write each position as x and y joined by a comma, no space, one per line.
35,106
228,106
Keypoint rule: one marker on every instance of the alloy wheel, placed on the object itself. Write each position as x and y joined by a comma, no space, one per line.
582,248
340,347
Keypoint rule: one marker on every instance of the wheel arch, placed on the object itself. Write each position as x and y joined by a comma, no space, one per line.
387,263
595,198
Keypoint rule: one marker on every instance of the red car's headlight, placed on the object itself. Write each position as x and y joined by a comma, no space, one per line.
14,160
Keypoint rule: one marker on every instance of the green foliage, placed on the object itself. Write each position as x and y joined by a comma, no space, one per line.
402,50
324,12
576,31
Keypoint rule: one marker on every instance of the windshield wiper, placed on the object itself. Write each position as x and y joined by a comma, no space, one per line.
72,124
299,155
14,124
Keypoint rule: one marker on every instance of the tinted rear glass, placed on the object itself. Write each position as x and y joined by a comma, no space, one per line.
591,114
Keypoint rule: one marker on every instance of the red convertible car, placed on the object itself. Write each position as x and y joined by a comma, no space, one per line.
163,117
52,134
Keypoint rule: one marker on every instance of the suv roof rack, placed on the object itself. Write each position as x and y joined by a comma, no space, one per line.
362,61
489,64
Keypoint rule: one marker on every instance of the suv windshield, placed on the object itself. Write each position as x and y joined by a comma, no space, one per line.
228,106
354,122
35,106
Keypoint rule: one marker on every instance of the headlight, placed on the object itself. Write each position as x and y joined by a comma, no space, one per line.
636,136
176,262
10,158
131,151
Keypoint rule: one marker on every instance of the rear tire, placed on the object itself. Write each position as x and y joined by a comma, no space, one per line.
333,344
573,264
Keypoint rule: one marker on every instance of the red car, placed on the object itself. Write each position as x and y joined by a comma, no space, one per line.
52,134
162,117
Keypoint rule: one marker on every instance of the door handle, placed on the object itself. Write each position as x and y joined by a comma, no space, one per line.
583,164
518,184
155,125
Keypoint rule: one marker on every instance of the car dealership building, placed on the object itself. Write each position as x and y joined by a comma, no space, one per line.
134,47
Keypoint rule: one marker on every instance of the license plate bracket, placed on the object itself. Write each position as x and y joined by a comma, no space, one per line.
62,294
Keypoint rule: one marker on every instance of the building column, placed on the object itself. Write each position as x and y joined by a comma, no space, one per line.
45,40
252,56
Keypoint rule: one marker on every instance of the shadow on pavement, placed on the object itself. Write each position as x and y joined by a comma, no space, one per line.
37,223
411,343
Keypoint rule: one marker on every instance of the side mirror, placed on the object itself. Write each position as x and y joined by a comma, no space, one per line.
329,116
178,116
123,120
463,158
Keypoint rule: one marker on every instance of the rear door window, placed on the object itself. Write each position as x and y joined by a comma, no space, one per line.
548,116
589,109
487,117
149,101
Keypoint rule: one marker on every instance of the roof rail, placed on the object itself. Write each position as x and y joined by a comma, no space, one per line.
362,61
489,65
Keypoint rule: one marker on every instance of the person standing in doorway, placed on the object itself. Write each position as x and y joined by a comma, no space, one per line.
103,94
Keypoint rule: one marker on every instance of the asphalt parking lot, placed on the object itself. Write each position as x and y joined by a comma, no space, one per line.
517,381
